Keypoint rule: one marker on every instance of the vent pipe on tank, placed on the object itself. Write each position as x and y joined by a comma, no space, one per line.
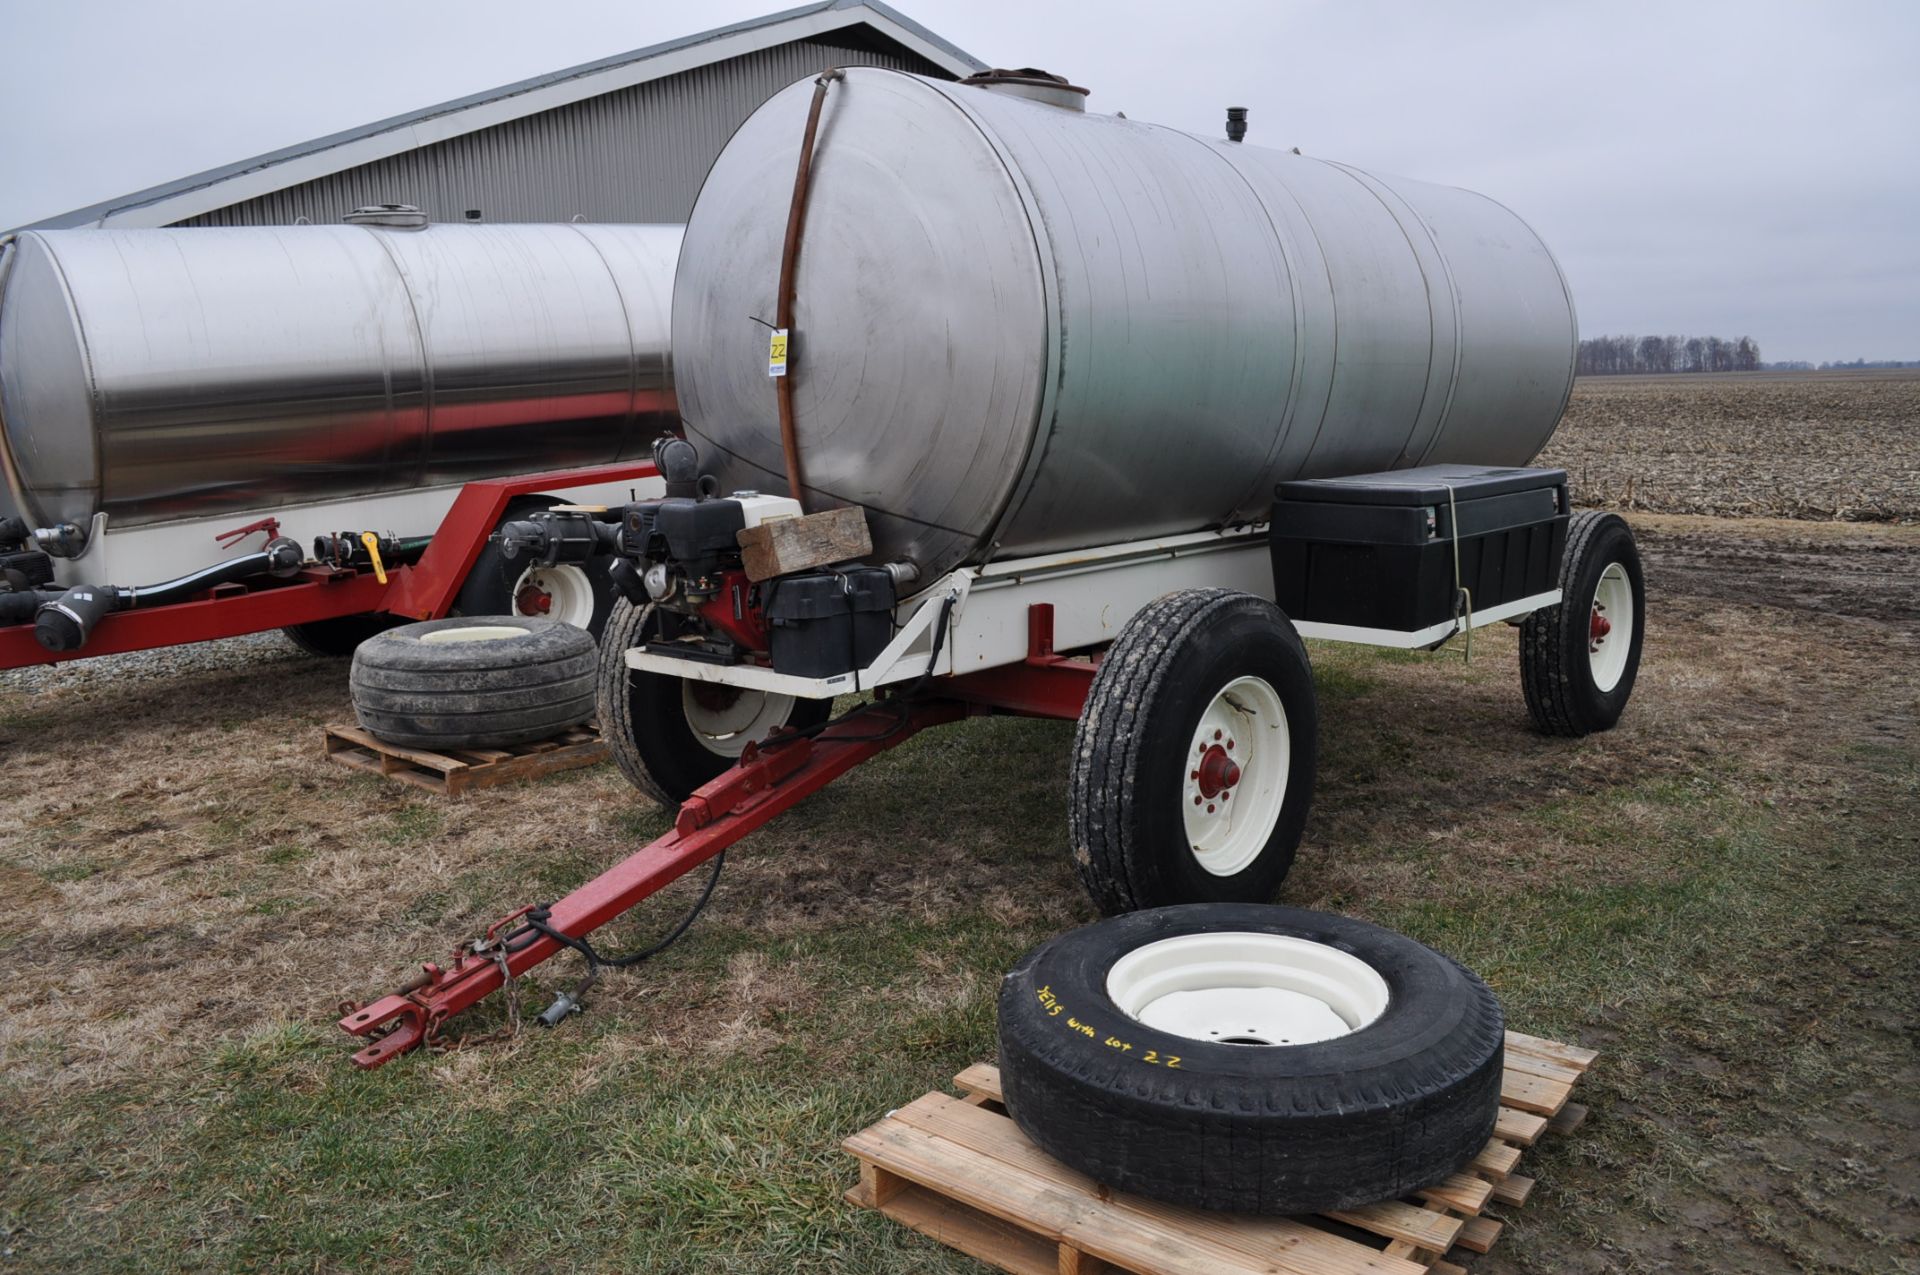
1236,123
1033,84
392,216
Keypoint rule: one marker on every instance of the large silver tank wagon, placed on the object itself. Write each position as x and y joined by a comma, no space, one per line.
167,394
155,376
1020,327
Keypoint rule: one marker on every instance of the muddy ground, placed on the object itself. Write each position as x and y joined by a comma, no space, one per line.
1810,445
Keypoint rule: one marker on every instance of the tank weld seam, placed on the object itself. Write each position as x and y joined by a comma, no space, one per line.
424,461
632,414
1290,409
1366,182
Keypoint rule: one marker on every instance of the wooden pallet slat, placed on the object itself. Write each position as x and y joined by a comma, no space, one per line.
987,1133
959,1170
456,771
1571,1055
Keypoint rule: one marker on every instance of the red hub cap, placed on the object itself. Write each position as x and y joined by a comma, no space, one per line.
1217,772
1600,626
533,601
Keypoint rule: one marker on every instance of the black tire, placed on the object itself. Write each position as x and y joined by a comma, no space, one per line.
341,635
414,690
489,588
1556,671
1397,1105
643,716
1129,773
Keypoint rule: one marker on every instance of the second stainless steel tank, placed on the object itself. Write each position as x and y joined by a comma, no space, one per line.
1021,328
160,374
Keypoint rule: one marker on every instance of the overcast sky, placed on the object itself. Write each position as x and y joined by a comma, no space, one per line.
1710,168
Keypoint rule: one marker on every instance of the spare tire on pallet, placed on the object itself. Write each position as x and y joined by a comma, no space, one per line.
474,681
1251,1058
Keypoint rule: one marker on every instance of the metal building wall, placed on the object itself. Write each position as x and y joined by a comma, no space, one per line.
636,155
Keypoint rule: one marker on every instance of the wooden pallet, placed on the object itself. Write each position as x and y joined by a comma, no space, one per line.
454,772
959,1170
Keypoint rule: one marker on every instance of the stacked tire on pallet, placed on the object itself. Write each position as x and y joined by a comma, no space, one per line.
1251,1058
474,682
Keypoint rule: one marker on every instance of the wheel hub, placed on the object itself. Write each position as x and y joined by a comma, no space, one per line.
1610,627
1236,783
533,600
1216,772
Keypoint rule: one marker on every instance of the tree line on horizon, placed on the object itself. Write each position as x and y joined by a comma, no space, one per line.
1619,355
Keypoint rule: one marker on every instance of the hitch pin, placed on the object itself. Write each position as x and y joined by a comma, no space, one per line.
372,542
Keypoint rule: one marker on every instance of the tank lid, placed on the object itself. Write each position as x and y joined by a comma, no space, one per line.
395,216
1031,83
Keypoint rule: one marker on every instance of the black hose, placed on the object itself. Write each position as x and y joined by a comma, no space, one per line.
539,921
18,606
65,621
280,557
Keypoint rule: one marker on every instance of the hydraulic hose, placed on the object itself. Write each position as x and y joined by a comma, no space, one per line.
17,606
64,621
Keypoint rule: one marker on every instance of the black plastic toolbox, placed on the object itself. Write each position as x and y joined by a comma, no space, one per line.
1377,550
825,623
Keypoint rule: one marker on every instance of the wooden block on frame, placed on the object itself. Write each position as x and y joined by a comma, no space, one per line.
786,545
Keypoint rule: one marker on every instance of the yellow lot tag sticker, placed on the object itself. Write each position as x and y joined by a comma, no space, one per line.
777,353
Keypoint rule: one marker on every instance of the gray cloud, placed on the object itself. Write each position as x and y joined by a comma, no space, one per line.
1709,167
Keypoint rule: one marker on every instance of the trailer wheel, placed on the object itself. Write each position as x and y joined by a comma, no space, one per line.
1194,758
1578,660
341,635
1253,1058
669,735
576,593
473,682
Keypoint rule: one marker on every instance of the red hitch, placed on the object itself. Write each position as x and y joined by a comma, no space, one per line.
766,781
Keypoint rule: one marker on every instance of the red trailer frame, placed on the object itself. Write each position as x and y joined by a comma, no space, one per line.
767,780
424,590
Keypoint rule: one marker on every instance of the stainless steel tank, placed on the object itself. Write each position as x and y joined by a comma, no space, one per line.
1023,328
158,374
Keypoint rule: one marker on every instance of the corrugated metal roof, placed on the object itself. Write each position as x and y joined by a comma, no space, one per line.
636,154
250,178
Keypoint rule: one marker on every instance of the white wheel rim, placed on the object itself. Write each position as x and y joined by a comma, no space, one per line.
561,592
725,719
1242,987
1234,779
472,633
1610,627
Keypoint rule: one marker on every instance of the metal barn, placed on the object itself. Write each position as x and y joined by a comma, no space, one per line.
626,139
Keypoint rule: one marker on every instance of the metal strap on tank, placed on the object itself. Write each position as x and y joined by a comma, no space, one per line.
1462,596
789,254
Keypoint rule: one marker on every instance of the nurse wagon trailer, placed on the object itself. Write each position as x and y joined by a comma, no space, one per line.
1085,418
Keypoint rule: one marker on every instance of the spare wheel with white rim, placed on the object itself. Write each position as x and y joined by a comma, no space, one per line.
1193,761
473,681
1251,1058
